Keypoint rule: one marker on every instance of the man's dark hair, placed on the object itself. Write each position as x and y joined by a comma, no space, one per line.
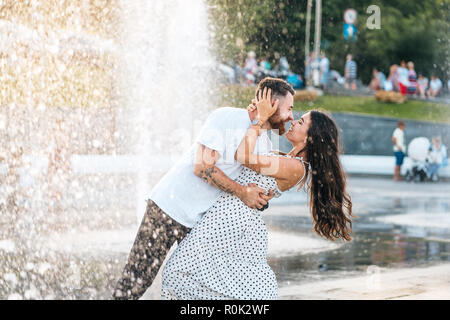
279,87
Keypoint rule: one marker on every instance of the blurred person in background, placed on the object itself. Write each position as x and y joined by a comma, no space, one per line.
350,73
227,72
378,80
250,68
422,85
324,69
403,81
437,158
283,68
263,69
295,80
435,87
315,72
391,84
398,138
308,68
412,79
264,64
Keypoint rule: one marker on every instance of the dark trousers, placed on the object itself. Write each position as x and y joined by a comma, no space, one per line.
156,235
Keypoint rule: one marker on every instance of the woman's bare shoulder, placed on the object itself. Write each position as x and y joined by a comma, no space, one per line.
293,171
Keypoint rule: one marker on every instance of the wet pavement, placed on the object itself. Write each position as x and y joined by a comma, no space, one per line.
401,226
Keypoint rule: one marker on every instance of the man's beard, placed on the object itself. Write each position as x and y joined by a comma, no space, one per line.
277,124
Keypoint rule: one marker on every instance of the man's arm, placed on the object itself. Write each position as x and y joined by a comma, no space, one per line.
205,168
394,140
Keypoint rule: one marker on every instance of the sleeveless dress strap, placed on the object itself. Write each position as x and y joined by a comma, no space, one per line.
304,166
304,171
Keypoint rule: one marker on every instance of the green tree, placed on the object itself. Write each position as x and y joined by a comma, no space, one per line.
410,30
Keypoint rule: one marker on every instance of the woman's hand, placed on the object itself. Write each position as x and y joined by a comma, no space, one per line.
264,105
252,109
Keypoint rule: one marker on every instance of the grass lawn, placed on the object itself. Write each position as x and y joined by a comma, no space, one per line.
240,96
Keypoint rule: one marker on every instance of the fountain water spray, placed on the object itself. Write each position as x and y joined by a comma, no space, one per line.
130,80
166,81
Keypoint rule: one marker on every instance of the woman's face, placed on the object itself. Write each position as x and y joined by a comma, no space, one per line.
298,133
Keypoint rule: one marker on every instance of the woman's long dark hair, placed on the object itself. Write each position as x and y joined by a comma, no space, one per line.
330,204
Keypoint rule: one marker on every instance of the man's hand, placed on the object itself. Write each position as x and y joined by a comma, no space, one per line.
254,196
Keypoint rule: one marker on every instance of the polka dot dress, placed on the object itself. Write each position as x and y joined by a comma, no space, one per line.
225,254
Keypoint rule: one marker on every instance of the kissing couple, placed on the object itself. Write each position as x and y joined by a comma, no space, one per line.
211,201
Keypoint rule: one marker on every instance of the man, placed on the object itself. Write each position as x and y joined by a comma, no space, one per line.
191,187
399,148
324,68
350,73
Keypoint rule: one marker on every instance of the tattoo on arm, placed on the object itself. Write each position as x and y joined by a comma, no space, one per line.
217,178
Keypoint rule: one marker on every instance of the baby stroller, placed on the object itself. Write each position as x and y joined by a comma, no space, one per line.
418,154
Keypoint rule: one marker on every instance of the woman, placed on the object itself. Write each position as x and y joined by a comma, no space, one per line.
225,254
412,78
391,83
377,82
403,81
437,158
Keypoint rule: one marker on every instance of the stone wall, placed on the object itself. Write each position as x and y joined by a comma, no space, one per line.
371,135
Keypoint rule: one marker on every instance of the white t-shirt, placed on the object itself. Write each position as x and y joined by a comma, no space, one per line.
437,156
403,76
184,196
324,64
436,84
399,136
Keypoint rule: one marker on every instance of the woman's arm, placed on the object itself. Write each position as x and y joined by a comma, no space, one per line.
206,169
274,166
279,152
